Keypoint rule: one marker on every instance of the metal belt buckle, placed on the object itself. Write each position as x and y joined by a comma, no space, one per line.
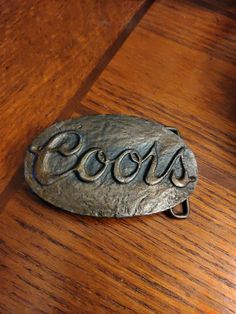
112,166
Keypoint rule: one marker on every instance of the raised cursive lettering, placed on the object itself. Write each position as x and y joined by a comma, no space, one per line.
60,145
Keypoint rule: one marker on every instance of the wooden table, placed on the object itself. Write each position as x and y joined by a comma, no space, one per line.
172,61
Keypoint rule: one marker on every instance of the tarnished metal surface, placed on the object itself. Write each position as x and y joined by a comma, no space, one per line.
111,166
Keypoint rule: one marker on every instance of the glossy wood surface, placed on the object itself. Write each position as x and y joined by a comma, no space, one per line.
47,51
177,66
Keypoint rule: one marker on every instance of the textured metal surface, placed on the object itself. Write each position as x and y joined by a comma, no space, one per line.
111,166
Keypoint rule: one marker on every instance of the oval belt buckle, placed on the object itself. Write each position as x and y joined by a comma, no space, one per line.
112,166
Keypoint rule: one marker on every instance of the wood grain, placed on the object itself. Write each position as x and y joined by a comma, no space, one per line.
178,68
47,51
